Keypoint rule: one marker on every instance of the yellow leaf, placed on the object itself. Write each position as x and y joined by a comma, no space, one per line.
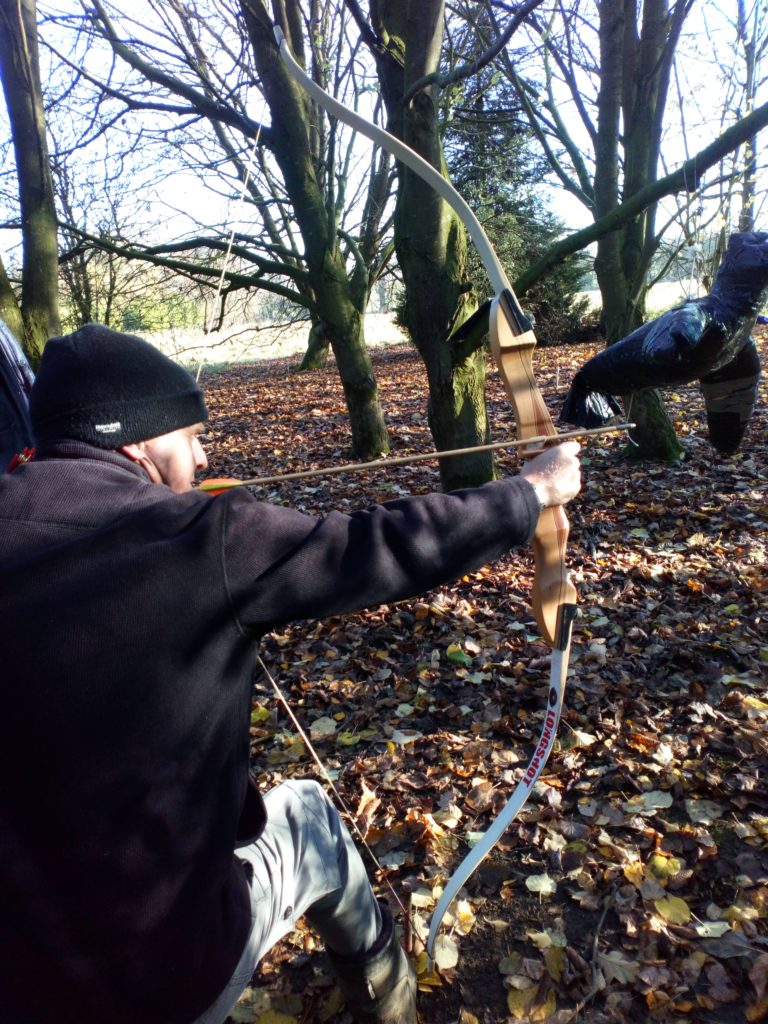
544,940
260,714
554,957
429,980
734,913
347,739
659,1005
673,909
520,1004
273,1017
546,1009
663,868
756,706
634,873
421,963
465,917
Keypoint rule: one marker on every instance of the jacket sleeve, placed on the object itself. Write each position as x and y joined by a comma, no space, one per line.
282,565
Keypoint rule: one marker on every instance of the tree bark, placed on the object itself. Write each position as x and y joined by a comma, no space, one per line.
750,43
635,63
653,437
10,310
20,74
318,344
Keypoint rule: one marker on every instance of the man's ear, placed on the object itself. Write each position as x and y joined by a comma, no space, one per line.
135,452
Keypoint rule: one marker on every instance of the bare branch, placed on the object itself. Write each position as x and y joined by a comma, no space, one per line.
467,70
685,179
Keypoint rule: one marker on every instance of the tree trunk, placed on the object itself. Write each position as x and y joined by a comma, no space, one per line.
457,417
654,437
10,311
749,171
343,314
608,268
431,242
369,434
318,343
20,73
340,298
635,62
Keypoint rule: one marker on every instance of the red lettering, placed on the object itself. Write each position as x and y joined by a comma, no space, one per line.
547,738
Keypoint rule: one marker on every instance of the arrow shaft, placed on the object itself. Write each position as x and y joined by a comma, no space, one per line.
404,460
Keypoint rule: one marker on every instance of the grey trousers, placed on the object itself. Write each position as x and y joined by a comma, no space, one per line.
304,863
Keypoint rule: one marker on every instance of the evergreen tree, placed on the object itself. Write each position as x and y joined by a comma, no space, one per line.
498,171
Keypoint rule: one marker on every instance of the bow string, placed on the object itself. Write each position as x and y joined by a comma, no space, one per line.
512,344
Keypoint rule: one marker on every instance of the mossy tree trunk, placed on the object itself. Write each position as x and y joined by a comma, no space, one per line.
318,344
340,296
650,438
10,310
430,240
20,74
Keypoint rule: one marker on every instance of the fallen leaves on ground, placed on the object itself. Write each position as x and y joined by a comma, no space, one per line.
634,885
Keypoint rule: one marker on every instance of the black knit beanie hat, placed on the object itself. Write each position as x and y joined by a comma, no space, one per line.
110,389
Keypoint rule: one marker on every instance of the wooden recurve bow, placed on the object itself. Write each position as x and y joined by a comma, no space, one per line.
512,344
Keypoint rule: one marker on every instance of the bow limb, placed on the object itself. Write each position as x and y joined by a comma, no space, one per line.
407,156
554,595
514,805
512,344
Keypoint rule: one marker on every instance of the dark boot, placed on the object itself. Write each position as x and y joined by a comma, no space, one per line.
379,987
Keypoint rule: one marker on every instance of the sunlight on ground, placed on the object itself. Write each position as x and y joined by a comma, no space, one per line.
249,342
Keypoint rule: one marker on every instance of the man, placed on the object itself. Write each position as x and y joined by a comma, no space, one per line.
142,876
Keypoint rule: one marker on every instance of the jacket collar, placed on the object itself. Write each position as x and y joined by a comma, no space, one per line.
68,449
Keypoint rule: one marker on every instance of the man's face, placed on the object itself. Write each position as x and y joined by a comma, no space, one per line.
175,458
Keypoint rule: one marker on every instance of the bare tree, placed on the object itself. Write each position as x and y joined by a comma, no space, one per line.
594,77
312,223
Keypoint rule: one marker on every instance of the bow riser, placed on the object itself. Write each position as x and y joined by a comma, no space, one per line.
512,343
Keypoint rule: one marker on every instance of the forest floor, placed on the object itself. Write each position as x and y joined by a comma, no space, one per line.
633,887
